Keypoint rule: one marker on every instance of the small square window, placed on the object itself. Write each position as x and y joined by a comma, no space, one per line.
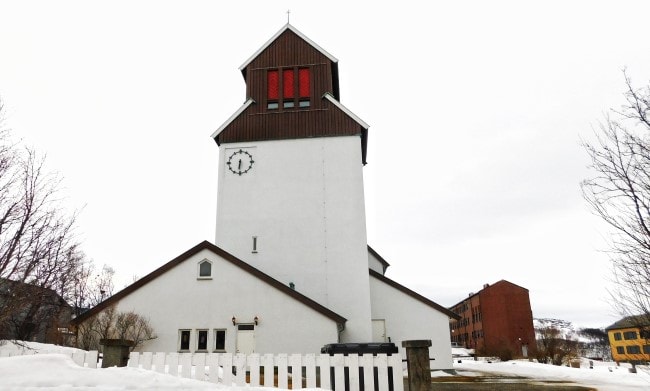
620,350
184,343
304,103
288,104
272,105
633,349
202,340
617,336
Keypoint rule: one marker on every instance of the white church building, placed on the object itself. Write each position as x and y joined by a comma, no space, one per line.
290,269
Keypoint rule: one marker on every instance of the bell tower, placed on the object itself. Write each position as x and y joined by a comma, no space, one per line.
290,199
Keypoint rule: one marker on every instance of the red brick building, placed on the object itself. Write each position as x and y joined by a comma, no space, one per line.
496,319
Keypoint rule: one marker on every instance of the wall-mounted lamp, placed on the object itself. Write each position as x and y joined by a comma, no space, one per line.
256,320
234,321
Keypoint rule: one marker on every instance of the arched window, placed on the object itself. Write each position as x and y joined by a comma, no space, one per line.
205,269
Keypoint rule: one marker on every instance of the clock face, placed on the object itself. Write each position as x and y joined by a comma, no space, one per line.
240,162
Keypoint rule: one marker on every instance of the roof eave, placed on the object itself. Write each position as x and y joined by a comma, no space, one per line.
287,26
241,109
347,111
414,294
205,245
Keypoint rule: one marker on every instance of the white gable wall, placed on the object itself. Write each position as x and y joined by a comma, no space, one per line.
375,264
178,300
410,319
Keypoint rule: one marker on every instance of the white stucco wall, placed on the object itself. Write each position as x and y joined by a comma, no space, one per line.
409,319
178,300
375,264
303,200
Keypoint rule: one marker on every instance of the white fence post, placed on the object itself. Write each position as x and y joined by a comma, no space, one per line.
324,363
254,368
295,361
91,359
240,369
269,370
172,364
198,362
283,373
186,365
226,361
310,369
134,360
395,362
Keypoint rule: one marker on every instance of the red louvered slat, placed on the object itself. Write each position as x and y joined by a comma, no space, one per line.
273,81
288,83
303,82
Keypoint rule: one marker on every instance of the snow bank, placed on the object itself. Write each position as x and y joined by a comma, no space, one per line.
58,371
9,346
604,376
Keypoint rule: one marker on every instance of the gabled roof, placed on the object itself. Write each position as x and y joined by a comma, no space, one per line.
488,286
236,114
12,287
413,294
205,245
287,26
344,109
634,321
379,258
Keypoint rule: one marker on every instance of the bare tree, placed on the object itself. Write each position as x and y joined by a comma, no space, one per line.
38,249
133,327
555,341
595,343
101,286
110,324
619,193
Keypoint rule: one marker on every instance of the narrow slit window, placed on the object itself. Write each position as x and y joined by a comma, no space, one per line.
220,339
184,340
202,340
254,244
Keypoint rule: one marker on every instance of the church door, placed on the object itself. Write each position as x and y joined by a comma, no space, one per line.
246,338
378,330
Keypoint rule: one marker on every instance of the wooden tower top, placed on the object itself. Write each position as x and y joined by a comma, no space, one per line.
292,91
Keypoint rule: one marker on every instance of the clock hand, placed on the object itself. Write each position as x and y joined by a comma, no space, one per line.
239,166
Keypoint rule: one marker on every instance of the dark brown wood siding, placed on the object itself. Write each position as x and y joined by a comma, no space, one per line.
321,119
328,121
289,51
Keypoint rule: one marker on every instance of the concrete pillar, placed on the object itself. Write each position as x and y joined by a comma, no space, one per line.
115,352
419,368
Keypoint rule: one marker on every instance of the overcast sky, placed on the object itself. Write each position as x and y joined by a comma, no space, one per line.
476,112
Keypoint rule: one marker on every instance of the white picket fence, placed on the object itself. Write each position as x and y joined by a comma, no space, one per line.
314,370
324,371
82,358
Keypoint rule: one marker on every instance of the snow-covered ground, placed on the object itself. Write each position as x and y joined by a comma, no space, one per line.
605,376
59,372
